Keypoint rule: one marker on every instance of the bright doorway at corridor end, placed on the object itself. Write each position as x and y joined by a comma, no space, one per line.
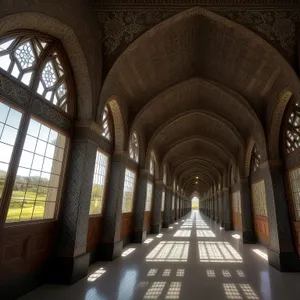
195,203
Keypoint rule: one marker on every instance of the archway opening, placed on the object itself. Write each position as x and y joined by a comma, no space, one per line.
195,203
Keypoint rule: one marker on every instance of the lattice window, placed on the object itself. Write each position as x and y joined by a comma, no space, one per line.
9,126
165,174
106,123
128,192
100,174
294,176
163,199
149,196
134,147
36,186
292,137
259,201
236,202
27,57
255,160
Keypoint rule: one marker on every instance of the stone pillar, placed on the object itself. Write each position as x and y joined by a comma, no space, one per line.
220,212
281,252
226,210
139,233
71,261
111,244
167,211
173,207
156,207
249,236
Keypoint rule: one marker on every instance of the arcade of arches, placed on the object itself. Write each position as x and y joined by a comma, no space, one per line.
113,117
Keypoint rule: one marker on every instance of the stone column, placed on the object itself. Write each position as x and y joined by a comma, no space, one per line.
139,233
167,211
111,244
249,236
226,210
156,207
72,261
220,212
282,253
173,207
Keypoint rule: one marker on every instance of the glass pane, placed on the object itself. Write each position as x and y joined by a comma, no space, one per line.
129,185
36,191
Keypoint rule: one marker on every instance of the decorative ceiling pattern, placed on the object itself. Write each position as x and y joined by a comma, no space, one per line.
124,21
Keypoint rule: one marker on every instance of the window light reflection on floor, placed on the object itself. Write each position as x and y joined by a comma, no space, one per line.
155,290
231,291
226,273
182,233
169,251
180,273
148,241
176,223
159,236
218,252
143,284
205,233
166,273
98,273
127,252
152,272
248,291
240,273
211,273
171,227
261,253
236,236
174,291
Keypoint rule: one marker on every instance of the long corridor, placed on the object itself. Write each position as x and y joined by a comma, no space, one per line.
193,259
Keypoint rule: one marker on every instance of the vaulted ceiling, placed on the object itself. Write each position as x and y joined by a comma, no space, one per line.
197,87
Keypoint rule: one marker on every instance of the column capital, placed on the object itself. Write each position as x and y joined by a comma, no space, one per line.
144,173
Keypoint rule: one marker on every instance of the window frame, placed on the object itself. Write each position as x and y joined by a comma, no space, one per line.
105,183
48,114
134,190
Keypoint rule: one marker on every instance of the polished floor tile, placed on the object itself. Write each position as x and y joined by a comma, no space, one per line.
193,259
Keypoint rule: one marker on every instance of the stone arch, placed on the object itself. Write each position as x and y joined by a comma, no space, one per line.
118,123
276,121
248,155
48,25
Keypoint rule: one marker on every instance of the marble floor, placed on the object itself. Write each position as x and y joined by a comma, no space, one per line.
193,259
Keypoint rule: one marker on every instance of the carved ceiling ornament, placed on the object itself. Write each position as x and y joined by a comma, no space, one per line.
123,23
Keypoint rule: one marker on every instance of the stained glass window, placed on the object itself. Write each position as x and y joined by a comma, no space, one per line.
128,192
134,147
26,57
105,123
149,196
100,173
293,129
255,159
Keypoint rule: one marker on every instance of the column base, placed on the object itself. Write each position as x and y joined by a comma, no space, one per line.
139,236
284,261
68,270
249,237
228,226
165,224
110,251
156,229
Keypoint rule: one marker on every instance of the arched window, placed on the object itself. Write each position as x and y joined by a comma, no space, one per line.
292,136
134,147
255,160
35,112
106,123
152,165
165,174
35,61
